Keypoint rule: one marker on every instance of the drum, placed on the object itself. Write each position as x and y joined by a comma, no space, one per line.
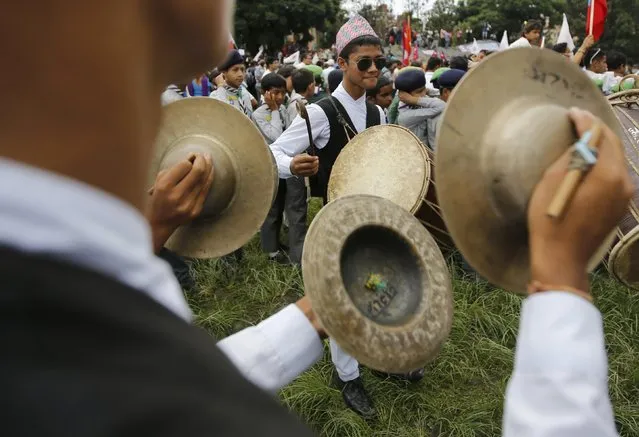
623,262
389,161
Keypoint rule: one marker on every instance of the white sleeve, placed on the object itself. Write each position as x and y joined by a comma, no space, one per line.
559,387
294,140
275,352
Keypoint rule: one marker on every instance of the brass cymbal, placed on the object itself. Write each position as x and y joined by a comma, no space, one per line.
378,283
245,175
505,124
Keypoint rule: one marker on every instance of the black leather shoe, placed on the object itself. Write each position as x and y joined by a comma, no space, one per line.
414,376
356,397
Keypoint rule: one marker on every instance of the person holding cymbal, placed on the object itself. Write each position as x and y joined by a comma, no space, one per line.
96,334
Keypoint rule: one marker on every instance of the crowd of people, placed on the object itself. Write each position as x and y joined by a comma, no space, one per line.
412,96
96,330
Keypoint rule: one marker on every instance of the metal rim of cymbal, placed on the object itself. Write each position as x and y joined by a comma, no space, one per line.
253,166
489,156
391,348
387,161
621,259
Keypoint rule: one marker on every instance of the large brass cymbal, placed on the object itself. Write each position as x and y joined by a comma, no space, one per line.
245,176
378,283
505,124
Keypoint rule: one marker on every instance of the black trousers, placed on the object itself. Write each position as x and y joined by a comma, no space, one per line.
291,197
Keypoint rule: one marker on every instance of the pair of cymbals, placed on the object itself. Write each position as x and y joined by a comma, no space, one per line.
375,277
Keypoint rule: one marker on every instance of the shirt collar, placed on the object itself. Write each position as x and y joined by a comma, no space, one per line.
342,94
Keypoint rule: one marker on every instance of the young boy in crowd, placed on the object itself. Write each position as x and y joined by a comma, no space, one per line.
595,64
295,201
303,84
446,83
416,109
233,91
272,119
617,68
431,66
382,94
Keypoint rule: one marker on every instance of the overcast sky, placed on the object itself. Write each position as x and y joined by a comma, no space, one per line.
398,5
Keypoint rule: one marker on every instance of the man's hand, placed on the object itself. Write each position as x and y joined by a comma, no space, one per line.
305,165
270,101
562,248
219,81
178,196
408,98
589,41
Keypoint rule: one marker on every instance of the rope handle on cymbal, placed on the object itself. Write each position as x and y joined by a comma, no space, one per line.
583,158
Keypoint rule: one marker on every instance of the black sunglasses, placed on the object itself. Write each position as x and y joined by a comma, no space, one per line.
365,63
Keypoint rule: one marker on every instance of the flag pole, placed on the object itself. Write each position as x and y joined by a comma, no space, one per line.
592,15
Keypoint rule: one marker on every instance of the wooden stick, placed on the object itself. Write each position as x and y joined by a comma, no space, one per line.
569,184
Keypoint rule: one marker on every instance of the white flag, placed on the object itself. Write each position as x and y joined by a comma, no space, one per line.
293,59
475,50
259,54
565,36
504,42
543,42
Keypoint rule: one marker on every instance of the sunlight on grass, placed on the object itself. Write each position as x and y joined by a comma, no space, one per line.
462,394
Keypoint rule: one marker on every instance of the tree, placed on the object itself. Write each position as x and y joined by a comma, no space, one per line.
378,16
509,15
443,15
267,22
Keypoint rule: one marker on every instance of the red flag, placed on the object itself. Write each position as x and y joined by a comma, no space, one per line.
407,39
596,18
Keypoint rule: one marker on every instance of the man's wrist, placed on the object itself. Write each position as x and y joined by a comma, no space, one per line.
304,305
560,271
161,234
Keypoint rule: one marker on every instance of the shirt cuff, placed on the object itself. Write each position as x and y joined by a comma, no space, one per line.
561,333
284,166
275,352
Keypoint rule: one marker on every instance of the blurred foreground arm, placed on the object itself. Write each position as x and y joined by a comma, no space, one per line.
559,387
279,349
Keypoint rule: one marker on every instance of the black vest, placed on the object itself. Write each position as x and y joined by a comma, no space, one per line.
328,154
86,356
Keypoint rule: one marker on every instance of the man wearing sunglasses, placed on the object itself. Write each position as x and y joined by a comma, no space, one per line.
334,121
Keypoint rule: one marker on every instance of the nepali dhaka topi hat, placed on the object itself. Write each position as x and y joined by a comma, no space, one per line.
354,28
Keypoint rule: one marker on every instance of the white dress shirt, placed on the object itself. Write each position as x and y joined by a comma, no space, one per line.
295,139
47,214
559,387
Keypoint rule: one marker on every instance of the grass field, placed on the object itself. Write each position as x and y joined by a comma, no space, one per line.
462,394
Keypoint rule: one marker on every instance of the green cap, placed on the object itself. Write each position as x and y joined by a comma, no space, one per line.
438,73
317,71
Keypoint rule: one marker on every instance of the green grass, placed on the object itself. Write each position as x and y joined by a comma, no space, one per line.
462,394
